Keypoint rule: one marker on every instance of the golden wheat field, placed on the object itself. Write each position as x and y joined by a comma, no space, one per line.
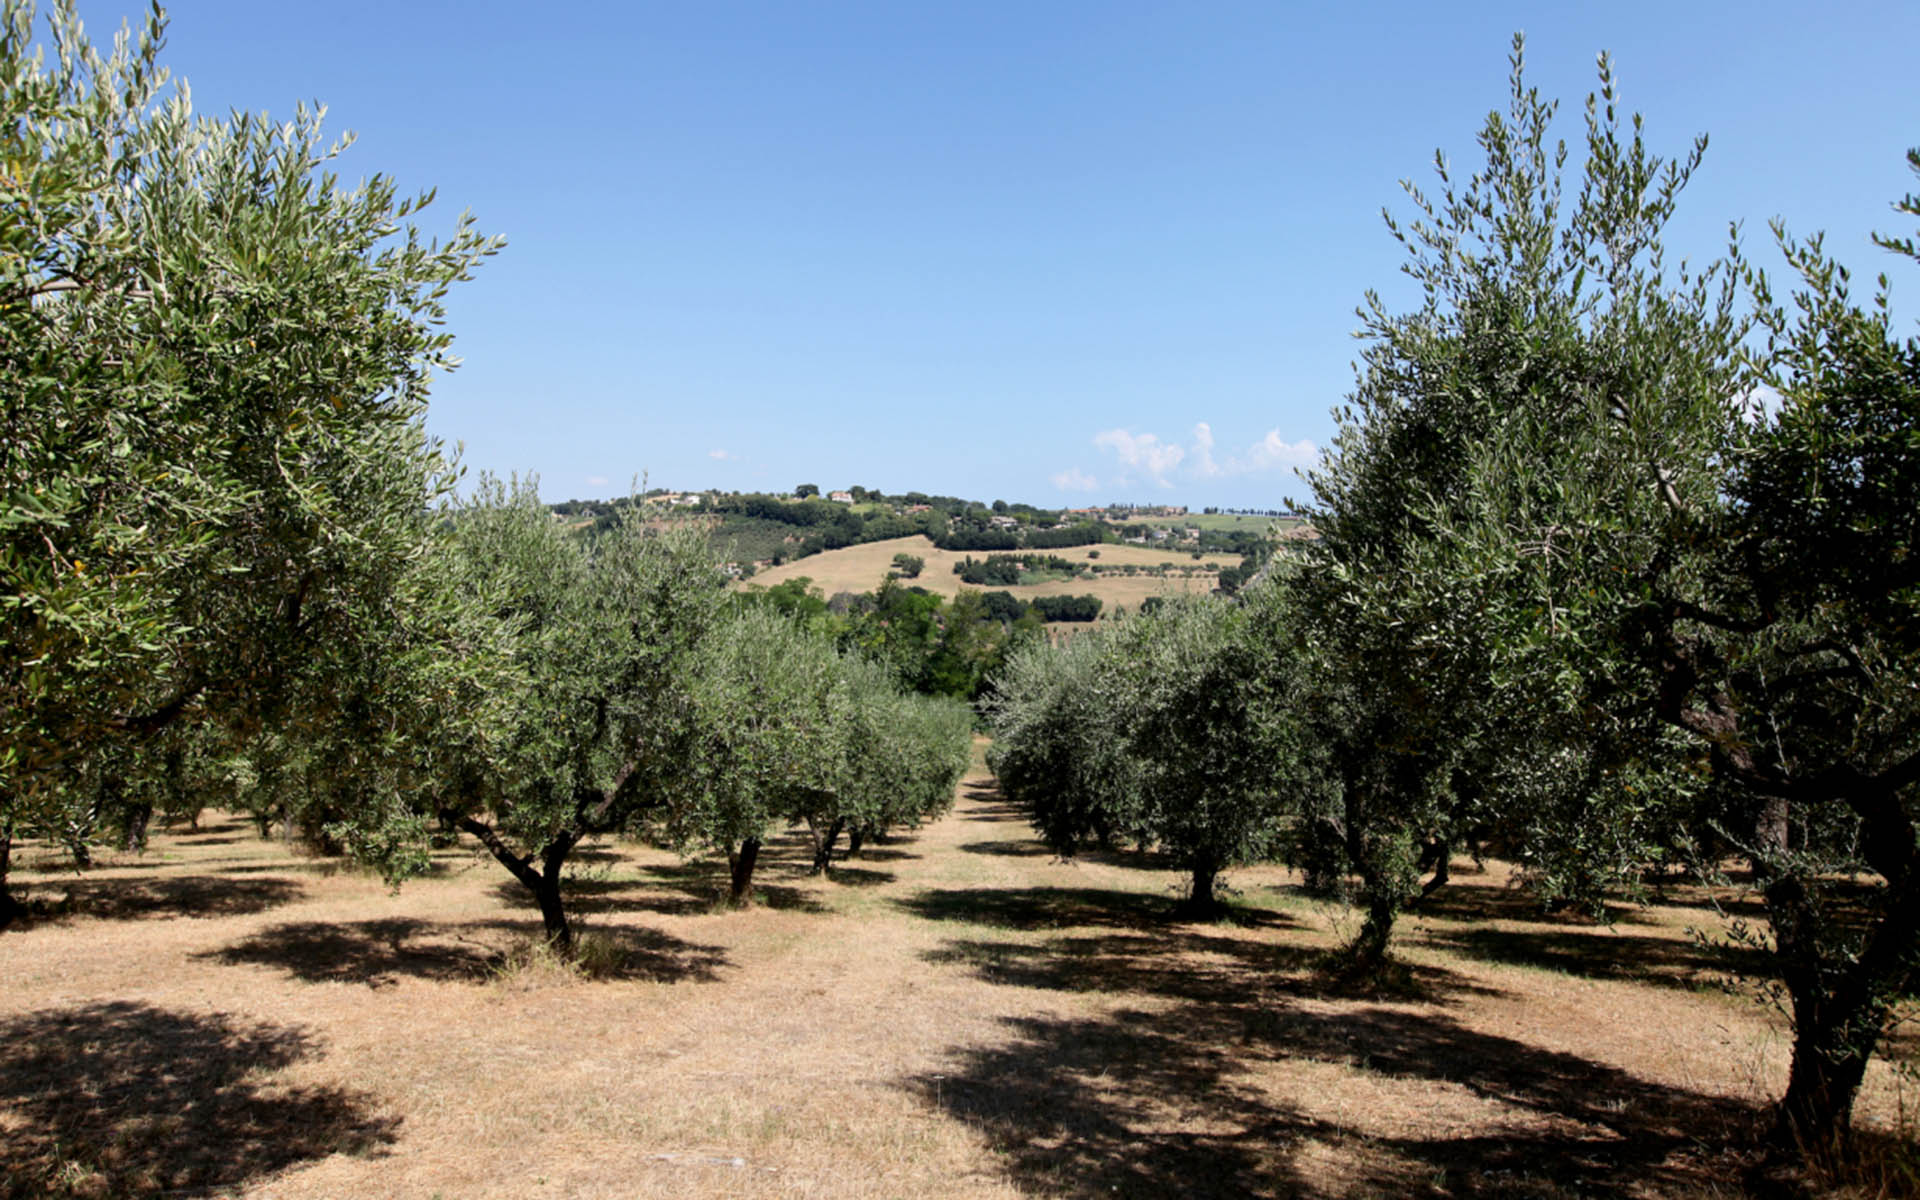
954,1013
861,569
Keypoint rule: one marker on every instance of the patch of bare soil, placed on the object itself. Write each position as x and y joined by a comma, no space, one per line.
955,1013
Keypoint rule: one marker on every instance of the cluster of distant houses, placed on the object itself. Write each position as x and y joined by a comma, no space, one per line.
1160,533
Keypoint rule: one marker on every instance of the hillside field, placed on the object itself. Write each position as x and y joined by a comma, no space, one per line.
862,568
1222,522
956,1014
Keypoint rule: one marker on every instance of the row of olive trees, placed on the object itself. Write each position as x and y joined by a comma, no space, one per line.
786,729
232,570
1578,595
1176,728
616,687
555,687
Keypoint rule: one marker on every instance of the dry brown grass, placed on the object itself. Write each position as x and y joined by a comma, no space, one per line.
861,569
957,1014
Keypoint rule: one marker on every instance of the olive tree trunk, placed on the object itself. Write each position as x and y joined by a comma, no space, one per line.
823,845
543,882
11,909
740,870
1201,903
1438,859
134,838
1840,1004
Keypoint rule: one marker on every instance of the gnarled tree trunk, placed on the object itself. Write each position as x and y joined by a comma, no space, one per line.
823,846
544,882
1840,1007
740,868
1367,953
1201,904
134,838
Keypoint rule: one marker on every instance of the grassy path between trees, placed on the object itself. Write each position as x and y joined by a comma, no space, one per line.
953,1014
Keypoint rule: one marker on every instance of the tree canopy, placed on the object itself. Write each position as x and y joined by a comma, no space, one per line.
1703,607
214,477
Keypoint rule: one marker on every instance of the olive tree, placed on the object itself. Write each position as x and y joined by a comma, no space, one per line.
214,475
1537,307
1178,727
588,725
786,729
904,754
1708,608
768,739
1057,747
1212,726
1800,679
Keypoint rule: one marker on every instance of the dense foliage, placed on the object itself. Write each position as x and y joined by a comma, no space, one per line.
1560,529
1577,596
1171,729
602,637
214,477
785,729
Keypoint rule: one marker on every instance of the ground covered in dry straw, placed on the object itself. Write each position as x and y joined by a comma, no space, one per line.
956,1013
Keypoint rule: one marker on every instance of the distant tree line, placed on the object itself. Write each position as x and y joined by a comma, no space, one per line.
1003,570
1067,608
754,526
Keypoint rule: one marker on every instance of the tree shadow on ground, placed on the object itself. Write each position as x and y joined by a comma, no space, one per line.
691,888
1091,1107
1184,1098
1017,848
379,953
681,889
988,804
171,896
889,852
325,868
1847,901
125,1098
1187,963
1686,965
1191,967
1483,902
858,877
1066,908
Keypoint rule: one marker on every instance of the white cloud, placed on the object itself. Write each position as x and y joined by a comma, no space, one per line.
1073,479
1272,451
722,454
1203,464
596,481
1144,453
1145,457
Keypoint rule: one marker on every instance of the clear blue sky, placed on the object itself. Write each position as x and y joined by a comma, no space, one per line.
999,250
